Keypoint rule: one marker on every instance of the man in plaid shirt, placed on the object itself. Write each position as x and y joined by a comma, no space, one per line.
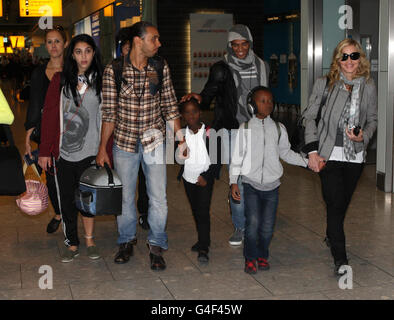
137,118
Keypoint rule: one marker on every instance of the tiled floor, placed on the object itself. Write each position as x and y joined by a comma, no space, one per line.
301,265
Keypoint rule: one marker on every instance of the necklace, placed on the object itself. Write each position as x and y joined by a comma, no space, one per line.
143,87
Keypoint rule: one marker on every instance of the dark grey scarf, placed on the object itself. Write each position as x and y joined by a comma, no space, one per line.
242,32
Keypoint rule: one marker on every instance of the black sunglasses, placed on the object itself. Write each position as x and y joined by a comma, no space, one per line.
353,56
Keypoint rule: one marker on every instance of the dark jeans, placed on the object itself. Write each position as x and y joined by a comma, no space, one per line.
260,216
339,180
68,174
200,202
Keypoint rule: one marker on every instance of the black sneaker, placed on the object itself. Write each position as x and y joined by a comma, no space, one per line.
125,252
203,256
53,225
338,271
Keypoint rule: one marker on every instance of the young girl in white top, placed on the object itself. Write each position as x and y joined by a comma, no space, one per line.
198,174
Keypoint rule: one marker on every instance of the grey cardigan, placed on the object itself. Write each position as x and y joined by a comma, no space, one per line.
322,138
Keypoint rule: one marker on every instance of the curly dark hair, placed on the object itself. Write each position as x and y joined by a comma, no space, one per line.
182,105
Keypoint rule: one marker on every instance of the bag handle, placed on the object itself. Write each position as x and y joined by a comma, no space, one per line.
25,166
322,103
109,173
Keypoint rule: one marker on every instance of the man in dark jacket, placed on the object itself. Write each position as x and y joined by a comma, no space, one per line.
230,82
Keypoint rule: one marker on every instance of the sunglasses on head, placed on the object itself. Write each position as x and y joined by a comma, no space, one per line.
353,56
58,28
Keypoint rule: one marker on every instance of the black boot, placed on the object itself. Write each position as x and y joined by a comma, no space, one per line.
125,252
157,262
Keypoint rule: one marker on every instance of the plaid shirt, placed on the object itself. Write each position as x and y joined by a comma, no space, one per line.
138,115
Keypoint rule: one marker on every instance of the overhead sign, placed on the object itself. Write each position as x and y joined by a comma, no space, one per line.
208,42
17,41
39,8
3,50
95,24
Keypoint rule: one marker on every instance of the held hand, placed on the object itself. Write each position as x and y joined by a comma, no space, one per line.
353,137
235,192
201,182
27,142
183,150
45,163
102,157
188,96
316,163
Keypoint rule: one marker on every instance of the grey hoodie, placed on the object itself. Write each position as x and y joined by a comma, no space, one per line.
256,154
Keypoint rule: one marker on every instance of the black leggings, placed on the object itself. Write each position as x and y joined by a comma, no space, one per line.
52,192
339,180
200,202
68,174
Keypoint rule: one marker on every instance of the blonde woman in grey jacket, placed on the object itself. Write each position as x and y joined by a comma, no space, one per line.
340,139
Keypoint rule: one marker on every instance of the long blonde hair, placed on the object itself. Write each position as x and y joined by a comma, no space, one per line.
364,69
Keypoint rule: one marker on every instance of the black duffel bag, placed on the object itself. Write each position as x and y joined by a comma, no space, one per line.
12,180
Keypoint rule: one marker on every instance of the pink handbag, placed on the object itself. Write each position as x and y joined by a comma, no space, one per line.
35,199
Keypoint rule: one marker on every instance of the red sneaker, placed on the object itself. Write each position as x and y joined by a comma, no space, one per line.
250,266
263,264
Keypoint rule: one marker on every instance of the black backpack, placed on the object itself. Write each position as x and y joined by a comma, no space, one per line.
156,62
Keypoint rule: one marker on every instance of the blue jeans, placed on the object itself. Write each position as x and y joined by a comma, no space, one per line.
154,167
260,214
237,209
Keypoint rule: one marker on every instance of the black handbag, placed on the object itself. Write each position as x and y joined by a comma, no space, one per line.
12,182
36,133
297,140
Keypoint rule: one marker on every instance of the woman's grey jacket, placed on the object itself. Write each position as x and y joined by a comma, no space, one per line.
322,138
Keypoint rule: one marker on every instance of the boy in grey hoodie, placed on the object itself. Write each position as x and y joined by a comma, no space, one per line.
259,144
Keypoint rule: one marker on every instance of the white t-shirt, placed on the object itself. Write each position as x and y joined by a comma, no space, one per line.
198,161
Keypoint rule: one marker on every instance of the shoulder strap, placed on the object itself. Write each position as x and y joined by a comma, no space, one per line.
117,66
323,101
157,63
62,80
279,130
